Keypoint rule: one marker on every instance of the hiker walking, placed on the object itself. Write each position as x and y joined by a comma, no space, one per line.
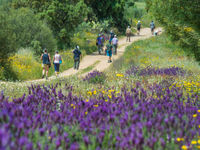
128,34
152,26
138,27
57,60
99,43
46,63
109,52
111,36
77,55
115,44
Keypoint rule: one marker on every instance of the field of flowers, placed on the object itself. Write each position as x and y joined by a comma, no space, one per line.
139,104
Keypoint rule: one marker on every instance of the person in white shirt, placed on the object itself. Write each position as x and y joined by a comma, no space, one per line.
115,44
57,60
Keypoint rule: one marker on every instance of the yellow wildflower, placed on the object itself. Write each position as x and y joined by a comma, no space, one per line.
96,105
87,100
194,142
89,93
110,96
198,141
110,91
72,105
106,100
49,137
199,126
198,146
86,113
184,147
95,92
188,29
198,111
119,75
195,115
178,139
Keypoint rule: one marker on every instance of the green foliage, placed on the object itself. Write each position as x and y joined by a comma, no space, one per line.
137,10
30,32
181,21
112,10
7,37
62,16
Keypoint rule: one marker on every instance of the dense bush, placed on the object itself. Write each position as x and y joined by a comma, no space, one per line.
27,30
62,16
30,31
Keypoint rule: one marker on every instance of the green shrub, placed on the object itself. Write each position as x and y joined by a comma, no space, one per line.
86,41
180,19
30,31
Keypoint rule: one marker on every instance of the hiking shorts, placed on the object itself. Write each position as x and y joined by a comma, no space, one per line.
45,65
109,53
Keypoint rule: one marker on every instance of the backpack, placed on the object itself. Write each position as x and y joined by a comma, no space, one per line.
128,31
138,25
112,35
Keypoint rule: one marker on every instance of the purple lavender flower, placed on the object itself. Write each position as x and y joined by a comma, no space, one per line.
95,77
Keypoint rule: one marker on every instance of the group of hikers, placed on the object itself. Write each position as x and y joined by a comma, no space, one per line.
57,60
111,46
110,49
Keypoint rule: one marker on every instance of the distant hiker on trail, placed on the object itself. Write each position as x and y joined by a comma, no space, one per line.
111,36
109,52
115,44
46,63
77,55
57,60
99,43
152,26
128,34
138,27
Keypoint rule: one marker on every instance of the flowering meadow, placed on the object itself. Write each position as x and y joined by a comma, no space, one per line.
139,106
153,117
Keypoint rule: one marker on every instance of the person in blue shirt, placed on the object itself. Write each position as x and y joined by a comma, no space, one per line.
77,55
152,26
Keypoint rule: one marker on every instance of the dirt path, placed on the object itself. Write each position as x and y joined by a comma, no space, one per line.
102,64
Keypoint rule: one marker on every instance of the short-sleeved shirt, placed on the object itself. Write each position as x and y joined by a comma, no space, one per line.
100,39
114,41
152,25
57,58
109,47
77,53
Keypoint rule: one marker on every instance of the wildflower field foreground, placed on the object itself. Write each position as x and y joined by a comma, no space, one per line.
143,102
